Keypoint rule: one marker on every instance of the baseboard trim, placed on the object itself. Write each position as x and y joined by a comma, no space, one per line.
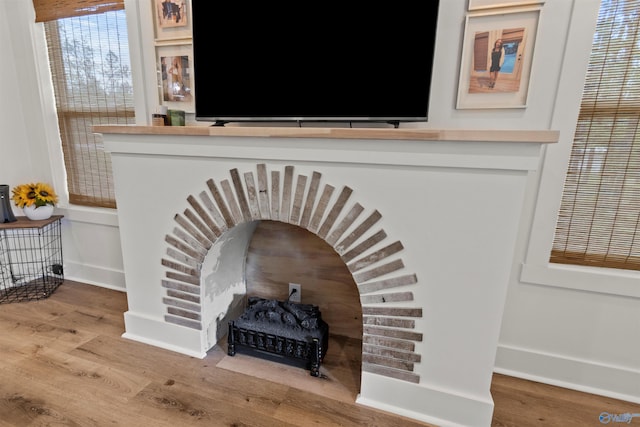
587,376
158,333
95,275
444,408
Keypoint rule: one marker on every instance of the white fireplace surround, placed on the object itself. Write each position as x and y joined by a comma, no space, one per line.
224,215
448,203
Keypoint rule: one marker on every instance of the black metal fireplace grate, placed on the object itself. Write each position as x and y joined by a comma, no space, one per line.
282,331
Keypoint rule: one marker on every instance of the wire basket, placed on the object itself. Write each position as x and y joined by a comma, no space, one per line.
31,266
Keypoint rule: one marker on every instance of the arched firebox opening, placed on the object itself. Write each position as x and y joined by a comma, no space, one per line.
210,247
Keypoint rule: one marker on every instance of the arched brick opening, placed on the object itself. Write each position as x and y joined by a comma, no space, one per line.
389,334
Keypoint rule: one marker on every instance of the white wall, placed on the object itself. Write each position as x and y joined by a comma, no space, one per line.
570,326
561,325
13,122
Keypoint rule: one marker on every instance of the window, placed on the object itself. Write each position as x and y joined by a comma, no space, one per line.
598,222
89,60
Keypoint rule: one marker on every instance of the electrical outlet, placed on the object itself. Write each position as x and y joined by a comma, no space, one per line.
295,292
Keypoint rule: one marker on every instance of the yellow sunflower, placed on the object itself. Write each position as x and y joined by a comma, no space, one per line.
38,194
45,193
21,194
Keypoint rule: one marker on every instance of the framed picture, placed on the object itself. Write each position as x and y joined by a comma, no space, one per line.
489,4
172,20
497,53
175,70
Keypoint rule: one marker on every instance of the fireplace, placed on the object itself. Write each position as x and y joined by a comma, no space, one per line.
219,214
425,221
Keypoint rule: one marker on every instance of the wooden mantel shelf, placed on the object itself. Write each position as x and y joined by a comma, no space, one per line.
538,136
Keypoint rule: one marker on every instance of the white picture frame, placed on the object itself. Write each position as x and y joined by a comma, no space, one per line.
172,19
478,86
175,77
491,4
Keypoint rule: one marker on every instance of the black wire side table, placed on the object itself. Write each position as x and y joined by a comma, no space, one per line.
31,266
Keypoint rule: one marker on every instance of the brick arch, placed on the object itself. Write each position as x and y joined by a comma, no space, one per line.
389,334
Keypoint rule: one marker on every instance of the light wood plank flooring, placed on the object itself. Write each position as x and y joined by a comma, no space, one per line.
63,362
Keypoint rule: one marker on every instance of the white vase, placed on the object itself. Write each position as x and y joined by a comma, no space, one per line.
38,212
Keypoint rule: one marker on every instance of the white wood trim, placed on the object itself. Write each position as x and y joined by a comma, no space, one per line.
617,382
470,135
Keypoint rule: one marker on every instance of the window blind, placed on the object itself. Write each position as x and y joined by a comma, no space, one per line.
50,10
598,221
91,72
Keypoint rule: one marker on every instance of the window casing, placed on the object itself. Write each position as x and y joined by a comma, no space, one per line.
599,218
91,72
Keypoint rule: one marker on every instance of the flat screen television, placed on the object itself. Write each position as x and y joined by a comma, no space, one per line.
313,62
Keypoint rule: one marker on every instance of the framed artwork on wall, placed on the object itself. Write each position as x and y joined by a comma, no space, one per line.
497,53
175,69
489,4
172,19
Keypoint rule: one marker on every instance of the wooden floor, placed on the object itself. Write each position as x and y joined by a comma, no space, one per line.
63,362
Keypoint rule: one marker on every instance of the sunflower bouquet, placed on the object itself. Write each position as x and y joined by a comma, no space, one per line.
38,194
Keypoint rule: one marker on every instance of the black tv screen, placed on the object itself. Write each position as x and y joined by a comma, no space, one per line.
345,62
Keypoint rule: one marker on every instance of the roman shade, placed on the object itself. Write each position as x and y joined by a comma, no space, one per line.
50,10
